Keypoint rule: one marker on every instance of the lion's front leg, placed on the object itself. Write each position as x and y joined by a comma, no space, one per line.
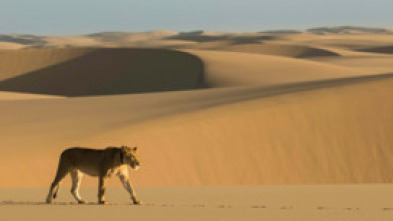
101,189
128,186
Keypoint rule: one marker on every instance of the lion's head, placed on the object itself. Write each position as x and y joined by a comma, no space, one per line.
130,156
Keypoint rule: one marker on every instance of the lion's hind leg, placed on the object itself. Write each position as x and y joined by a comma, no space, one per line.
76,176
62,171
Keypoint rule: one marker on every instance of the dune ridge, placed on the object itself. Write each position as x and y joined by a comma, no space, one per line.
194,128
294,51
261,47
228,69
10,45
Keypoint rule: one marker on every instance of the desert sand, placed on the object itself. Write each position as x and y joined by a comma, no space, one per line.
298,203
280,125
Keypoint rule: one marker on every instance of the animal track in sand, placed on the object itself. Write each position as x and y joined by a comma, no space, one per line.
166,205
387,209
349,208
321,208
286,207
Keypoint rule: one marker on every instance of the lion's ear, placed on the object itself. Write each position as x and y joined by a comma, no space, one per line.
135,149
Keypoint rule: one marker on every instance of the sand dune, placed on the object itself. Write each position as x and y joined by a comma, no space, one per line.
10,45
295,51
327,136
81,72
124,71
14,63
384,49
286,50
21,39
377,64
282,31
124,37
198,145
349,30
103,39
68,41
225,69
215,37
341,41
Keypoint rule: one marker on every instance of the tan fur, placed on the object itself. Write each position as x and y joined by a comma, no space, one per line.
102,163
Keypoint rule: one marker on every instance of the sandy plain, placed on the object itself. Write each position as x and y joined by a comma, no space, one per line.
278,125
353,202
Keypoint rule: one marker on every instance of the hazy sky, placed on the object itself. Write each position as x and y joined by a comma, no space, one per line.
69,17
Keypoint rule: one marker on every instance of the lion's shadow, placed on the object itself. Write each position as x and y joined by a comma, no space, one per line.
42,203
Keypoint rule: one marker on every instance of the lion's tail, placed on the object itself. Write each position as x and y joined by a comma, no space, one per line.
61,172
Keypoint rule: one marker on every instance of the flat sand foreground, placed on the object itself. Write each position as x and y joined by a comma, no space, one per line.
296,203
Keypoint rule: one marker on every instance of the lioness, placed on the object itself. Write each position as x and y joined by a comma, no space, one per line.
101,163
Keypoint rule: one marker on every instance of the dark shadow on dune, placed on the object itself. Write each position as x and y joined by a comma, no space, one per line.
22,39
114,71
316,52
283,31
347,30
383,50
249,40
209,38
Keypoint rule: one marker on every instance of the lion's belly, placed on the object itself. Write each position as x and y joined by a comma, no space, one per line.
89,170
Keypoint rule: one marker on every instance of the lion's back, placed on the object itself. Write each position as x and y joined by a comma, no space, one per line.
79,156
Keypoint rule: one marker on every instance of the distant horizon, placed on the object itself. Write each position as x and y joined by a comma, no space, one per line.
207,30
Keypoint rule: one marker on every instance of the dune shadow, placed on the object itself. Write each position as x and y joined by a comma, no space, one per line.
199,37
282,32
249,40
113,71
388,49
347,30
22,39
309,52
